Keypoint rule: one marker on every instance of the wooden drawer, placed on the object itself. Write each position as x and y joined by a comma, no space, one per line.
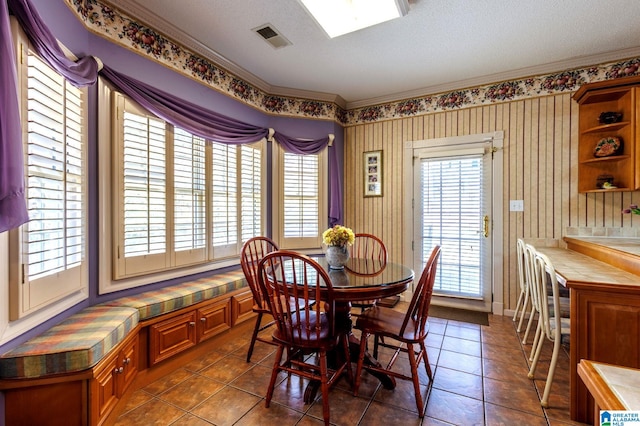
172,336
213,319
242,306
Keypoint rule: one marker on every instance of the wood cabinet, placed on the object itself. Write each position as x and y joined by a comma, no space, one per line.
63,404
112,379
180,332
605,312
620,96
242,307
93,395
214,318
607,330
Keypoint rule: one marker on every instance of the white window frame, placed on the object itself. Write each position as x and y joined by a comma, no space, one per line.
22,310
127,266
178,263
310,243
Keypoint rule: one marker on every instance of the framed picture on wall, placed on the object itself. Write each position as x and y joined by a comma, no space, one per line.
373,174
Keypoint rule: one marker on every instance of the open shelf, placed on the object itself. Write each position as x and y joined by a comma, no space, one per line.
621,96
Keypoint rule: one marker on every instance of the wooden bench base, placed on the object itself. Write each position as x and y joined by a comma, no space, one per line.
155,347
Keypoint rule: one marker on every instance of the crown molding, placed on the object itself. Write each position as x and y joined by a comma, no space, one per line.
307,94
519,73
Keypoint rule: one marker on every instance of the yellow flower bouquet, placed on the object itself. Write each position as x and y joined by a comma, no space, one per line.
338,236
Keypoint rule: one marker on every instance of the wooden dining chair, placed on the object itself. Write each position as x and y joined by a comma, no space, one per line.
368,246
252,252
286,277
408,329
550,323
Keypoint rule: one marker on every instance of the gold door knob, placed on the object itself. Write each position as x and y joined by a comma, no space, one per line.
485,221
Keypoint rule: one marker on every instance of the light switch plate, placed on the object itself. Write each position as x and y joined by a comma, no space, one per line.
516,205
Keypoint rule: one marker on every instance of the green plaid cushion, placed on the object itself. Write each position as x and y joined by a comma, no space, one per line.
75,344
83,339
157,302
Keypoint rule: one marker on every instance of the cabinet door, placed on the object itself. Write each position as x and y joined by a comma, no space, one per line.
104,391
213,319
129,363
171,336
242,305
605,327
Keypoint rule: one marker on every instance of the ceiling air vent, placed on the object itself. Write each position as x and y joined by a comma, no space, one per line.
271,36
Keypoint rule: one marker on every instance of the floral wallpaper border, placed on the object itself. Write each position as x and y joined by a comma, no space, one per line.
125,31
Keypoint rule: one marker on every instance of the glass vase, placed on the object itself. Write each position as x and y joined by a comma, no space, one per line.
337,256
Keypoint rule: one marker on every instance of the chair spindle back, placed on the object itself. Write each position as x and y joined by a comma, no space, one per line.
288,278
252,253
418,309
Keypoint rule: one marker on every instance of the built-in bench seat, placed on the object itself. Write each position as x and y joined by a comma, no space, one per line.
168,299
76,344
82,340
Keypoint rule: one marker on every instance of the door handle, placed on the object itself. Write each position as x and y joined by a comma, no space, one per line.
485,222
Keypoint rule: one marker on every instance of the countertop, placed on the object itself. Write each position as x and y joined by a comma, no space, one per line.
623,382
613,387
577,267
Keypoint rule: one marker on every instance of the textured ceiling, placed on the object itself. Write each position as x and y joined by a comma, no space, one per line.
439,45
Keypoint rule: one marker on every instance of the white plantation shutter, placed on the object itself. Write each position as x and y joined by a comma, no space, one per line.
301,196
224,181
54,239
189,197
145,183
452,208
250,191
142,191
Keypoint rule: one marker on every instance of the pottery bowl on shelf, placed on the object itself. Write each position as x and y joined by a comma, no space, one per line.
608,146
610,117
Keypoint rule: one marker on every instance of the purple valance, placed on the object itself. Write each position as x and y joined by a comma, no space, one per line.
81,73
183,114
302,147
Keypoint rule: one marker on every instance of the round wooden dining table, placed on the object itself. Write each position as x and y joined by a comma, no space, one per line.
366,279
363,279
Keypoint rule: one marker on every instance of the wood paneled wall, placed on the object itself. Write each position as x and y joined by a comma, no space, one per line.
540,167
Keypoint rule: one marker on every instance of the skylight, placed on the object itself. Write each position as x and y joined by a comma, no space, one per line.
338,17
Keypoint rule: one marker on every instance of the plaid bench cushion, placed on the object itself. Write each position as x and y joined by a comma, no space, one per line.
83,339
75,344
157,302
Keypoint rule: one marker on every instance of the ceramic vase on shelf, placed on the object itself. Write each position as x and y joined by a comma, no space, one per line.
337,256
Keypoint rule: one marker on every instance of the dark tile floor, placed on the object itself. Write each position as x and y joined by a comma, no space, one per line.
480,378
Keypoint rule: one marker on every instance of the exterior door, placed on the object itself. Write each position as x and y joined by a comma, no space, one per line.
453,202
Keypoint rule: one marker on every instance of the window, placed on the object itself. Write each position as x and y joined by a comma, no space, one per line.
179,200
224,215
452,209
189,193
51,247
301,199
251,205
